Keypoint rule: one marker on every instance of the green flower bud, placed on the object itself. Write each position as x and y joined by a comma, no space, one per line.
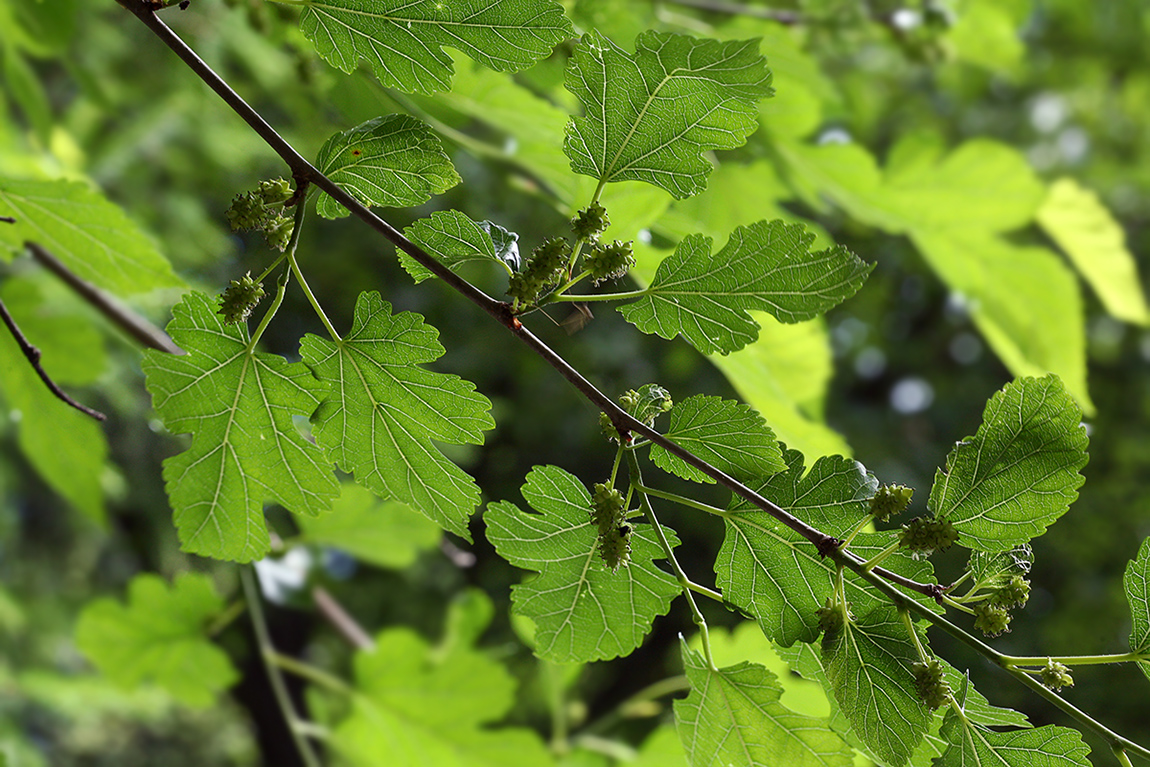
646,402
890,500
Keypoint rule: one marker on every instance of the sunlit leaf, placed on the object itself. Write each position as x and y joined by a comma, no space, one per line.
973,744
582,610
1019,472
733,716
454,239
403,41
650,116
1137,585
766,266
724,433
159,636
245,450
383,412
90,235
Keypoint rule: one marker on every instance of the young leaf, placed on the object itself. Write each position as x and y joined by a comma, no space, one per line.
159,636
582,610
90,235
394,161
383,533
728,435
1137,584
1019,472
767,266
413,709
455,239
403,41
733,716
1048,746
650,116
238,405
383,411
869,665
777,575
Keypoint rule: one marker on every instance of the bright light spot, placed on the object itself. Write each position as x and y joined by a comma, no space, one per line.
511,145
870,363
911,395
965,348
906,19
15,415
1048,112
834,136
1073,143
644,236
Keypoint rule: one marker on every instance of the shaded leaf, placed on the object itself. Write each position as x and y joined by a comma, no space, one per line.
238,405
454,239
582,610
1019,472
158,636
90,235
767,266
382,533
392,161
973,744
733,716
403,41
869,666
724,433
1096,244
650,116
1137,584
383,412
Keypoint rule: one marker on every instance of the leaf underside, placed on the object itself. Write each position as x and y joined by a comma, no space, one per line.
453,239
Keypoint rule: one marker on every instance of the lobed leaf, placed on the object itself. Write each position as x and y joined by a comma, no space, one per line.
413,708
650,116
454,239
726,434
90,235
972,743
582,610
391,161
869,666
767,266
403,40
383,412
776,575
238,405
1137,584
158,636
1019,472
733,716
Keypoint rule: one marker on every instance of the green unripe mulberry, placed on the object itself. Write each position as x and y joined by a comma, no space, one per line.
1014,593
890,500
590,222
545,268
926,535
239,299
609,262
609,515
1056,675
931,685
990,619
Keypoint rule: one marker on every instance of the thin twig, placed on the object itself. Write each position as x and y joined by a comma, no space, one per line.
7,219
780,15
341,619
33,356
122,317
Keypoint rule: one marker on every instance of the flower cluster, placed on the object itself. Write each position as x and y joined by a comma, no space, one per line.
932,687
609,515
890,500
544,269
609,262
991,619
263,211
590,222
1055,675
240,298
926,535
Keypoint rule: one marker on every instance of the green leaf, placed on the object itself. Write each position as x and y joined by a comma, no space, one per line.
651,116
662,748
90,235
724,433
238,405
414,708
973,744
454,239
582,610
1019,472
67,448
1096,244
766,266
403,41
383,412
778,576
383,533
1137,584
733,716
869,665
159,637
392,161
985,35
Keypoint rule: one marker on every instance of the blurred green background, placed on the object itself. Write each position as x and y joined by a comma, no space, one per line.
89,93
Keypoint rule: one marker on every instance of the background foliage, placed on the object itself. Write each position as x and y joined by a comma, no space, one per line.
976,162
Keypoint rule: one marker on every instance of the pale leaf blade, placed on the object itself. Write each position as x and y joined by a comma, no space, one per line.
973,744
1137,585
453,239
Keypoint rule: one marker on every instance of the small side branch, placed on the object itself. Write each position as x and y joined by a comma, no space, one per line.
33,356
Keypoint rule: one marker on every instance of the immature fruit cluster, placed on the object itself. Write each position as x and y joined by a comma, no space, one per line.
926,535
545,268
609,262
932,687
991,619
239,299
1056,675
642,404
609,515
1014,593
890,500
590,222
831,616
262,211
